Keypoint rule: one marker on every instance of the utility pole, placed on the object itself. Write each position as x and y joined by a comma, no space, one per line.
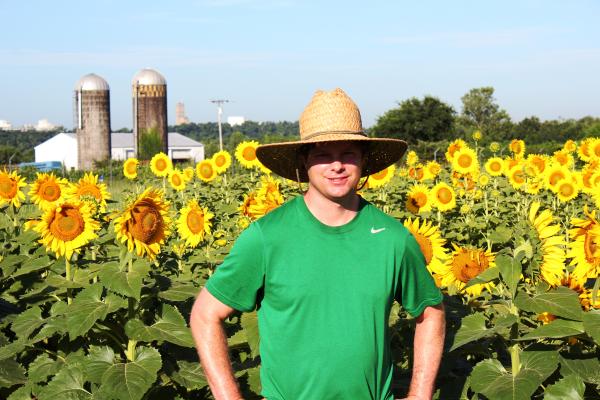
219,104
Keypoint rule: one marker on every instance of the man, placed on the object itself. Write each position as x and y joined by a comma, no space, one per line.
323,271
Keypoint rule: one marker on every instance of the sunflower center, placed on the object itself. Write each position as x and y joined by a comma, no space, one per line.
496,166
425,245
467,265
417,173
249,153
206,170
130,167
161,164
220,160
555,177
380,175
146,221
8,187
465,160
67,223
195,221
591,247
90,190
176,179
566,189
444,195
419,200
50,191
519,177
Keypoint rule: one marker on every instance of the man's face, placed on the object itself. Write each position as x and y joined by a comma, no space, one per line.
334,168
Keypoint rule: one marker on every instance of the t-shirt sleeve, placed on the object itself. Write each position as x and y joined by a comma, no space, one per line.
239,279
416,288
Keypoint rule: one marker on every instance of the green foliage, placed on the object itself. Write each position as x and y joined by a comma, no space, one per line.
426,120
480,112
150,143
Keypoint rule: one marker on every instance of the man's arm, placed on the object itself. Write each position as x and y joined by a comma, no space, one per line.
206,322
428,347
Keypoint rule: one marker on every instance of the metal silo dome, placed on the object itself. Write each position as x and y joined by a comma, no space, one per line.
91,82
148,76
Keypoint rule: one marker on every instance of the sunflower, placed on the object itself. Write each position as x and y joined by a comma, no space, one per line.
586,299
417,172
418,199
595,148
245,153
484,180
552,265
584,247
382,177
563,158
538,161
516,176
161,164
584,150
554,174
88,188
47,190
567,189
411,158
517,147
222,161
130,168
477,136
188,174
432,169
464,265
177,179
465,161
430,241
494,147
144,224
494,166
66,227
10,188
193,223
206,170
453,148
443,197
570,146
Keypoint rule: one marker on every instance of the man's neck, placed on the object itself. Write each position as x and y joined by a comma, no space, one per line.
332,212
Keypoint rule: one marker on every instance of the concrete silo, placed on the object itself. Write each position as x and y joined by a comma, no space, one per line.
92,120
149,113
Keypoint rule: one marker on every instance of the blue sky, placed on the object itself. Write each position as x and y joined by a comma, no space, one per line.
269,56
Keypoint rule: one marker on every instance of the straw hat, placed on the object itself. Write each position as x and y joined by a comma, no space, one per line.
330,116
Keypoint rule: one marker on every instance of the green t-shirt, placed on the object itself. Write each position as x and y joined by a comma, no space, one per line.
324,296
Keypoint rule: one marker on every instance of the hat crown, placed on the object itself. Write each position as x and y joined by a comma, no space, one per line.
330,112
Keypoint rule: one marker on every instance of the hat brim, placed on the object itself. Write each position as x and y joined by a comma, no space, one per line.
282,158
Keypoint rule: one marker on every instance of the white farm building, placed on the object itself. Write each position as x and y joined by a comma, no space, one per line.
63,148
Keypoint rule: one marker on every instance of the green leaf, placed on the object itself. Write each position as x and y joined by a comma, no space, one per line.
190,375
86,309
487,275
33,264
67,384
22,393
490,378
591,324
524,248
56,323
254,380
501,234
130,381
42,367
570,387
511,270
559,328
11,373
179,292
170,327
562,302
10,262
13,348
250,326
119,280
99,360
472,328
27,322
586,367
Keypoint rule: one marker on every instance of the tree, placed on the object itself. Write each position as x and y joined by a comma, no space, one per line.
429,119
481,112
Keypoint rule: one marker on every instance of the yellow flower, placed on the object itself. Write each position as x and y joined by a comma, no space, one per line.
516,176
222,161
10,188
418,199
177,179
206,170
465,264
477,136
537,161
188,173
193,223
144,224
465,161
432,169
484,180
417,172
161,164
494,166
266,199
66,227
517,147
546,317
453,148
552,265
430,241
130,168
564,158
570,146
382,177
594,148
554,174
47,190
585,295
245,153
88,188
443,197
411,158
494,147
584,247
567,190
584,150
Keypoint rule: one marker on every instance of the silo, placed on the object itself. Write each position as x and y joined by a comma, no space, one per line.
92,120
149,113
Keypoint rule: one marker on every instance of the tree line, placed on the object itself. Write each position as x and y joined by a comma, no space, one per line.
427,123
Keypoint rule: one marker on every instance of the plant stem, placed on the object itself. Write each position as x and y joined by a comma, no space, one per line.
68,277
131,314
515,359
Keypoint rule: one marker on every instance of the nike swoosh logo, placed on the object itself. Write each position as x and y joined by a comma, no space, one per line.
373,230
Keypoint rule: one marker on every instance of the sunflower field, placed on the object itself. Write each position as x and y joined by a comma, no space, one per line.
97,282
